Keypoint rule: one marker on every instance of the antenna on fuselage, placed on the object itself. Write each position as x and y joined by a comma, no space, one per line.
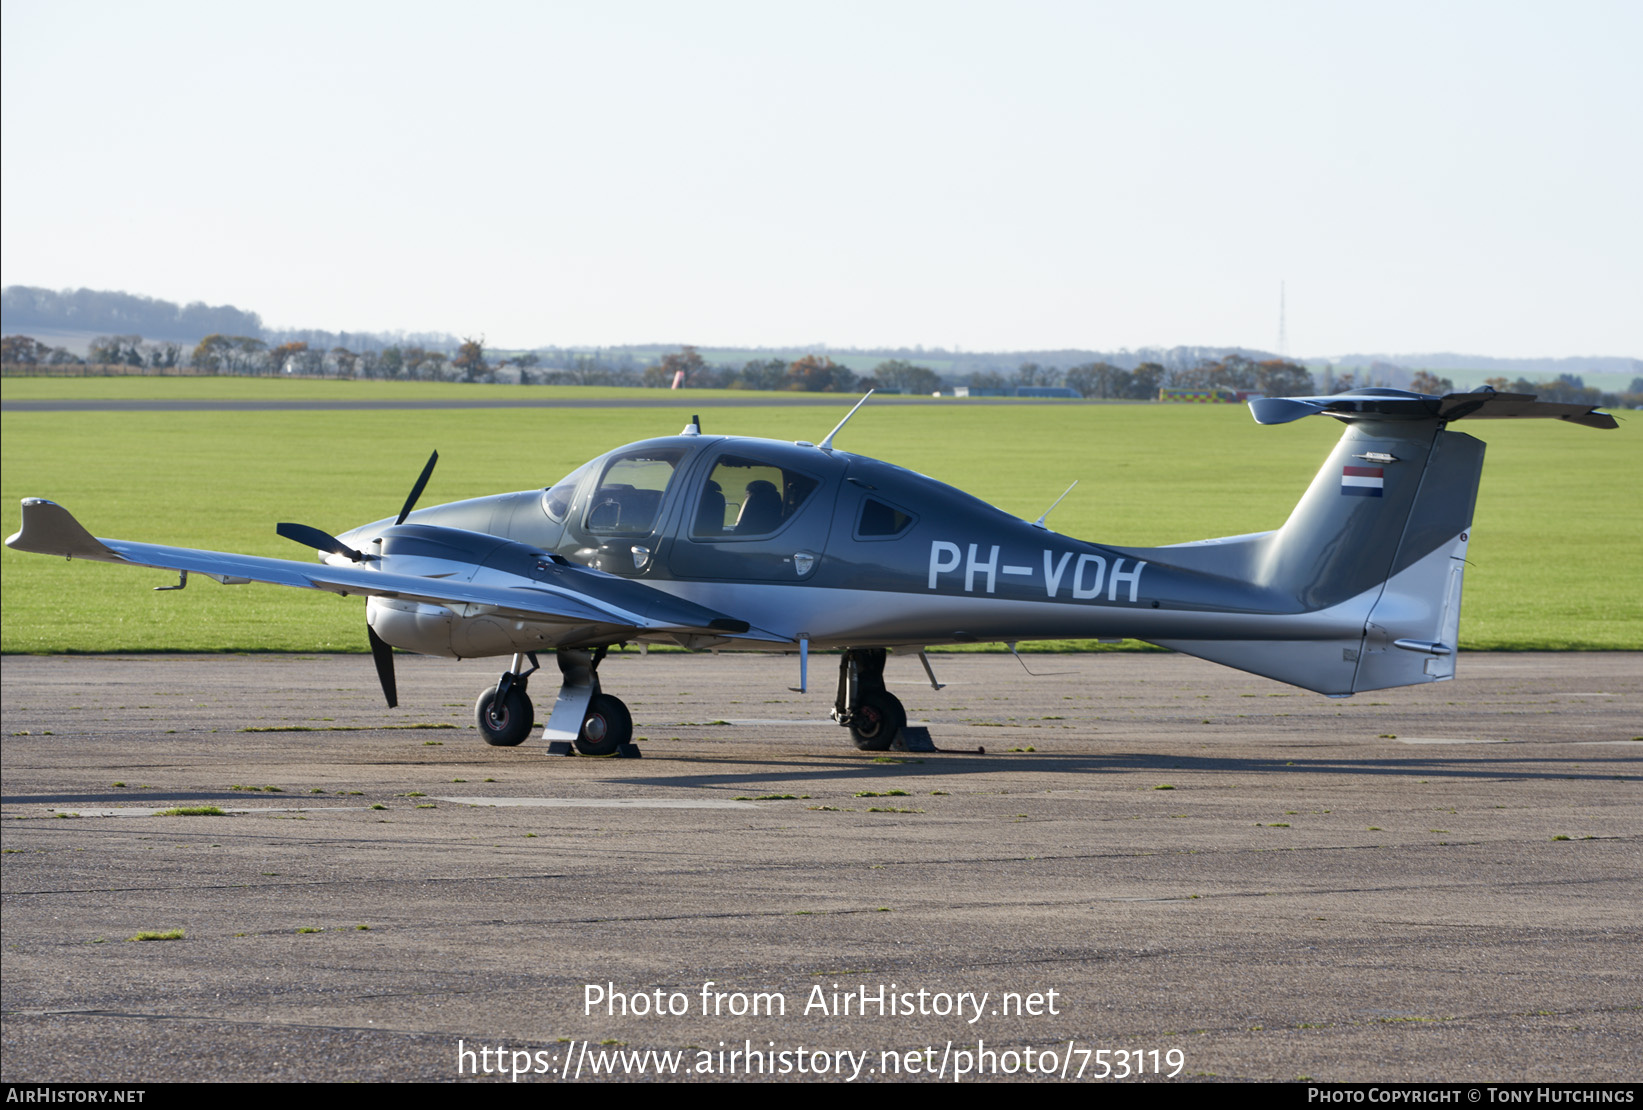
1039,523
1029,670
694,428
827,444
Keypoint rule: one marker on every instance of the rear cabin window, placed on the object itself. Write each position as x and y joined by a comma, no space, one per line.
880,521
629,496
747,497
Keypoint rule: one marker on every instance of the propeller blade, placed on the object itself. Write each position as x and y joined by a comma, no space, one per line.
383,656
416,490
318,540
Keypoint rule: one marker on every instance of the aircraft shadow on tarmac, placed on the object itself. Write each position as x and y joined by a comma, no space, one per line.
944,764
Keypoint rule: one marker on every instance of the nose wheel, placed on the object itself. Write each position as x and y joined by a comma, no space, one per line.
505,713
505,722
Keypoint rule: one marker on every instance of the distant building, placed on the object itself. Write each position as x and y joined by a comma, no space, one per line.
1218,395
1045,391
1016,391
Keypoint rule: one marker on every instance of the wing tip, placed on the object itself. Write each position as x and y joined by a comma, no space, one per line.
50,529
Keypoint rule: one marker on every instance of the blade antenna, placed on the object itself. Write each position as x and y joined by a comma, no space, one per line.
1039,523
827,444
416,490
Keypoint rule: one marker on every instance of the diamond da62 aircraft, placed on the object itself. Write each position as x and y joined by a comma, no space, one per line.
723,542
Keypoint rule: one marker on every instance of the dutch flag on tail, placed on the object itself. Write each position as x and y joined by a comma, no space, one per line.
1361,481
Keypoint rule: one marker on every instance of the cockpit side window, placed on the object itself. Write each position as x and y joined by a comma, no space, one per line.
629,496
745,496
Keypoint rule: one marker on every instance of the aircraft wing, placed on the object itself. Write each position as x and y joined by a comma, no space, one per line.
568,595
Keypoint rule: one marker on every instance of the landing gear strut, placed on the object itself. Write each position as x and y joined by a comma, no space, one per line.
873,715
596,722
504,713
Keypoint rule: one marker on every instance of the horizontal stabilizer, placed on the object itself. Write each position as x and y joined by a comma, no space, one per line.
1399,404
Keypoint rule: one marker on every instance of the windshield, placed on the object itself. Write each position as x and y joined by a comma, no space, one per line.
557,498
629,497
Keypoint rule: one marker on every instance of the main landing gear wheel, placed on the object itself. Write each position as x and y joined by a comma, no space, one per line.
606,728
877,721
508,726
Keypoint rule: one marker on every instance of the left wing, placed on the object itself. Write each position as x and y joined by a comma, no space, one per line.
536,587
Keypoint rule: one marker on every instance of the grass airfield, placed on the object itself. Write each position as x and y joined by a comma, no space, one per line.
1555,548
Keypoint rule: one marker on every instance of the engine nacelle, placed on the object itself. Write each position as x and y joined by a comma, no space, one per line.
412,625
438,630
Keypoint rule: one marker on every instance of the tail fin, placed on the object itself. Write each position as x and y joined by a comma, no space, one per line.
1376,547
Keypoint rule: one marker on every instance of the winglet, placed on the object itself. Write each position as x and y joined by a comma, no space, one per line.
50,529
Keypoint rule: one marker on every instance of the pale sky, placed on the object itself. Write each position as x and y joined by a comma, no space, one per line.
1423,176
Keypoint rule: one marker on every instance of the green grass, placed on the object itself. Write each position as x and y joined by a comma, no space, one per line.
1554,553
170,934
191,811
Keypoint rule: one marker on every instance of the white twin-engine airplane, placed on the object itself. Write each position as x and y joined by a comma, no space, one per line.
752,544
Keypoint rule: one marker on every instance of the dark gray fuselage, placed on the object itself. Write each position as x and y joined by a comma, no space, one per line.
873,555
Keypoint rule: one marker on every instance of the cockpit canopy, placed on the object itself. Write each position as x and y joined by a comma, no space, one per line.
704,490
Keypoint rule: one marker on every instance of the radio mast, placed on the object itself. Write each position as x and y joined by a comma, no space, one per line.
1283,332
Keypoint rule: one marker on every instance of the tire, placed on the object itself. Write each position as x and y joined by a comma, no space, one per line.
508,727
879,719
606,728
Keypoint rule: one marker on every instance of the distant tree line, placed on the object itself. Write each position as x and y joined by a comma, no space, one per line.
25,350
817,373
1518,369
245,355
1569,389
248,355
126,316
1107,381
810,373
361,340
467,360
97,310
807,374
1098,379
